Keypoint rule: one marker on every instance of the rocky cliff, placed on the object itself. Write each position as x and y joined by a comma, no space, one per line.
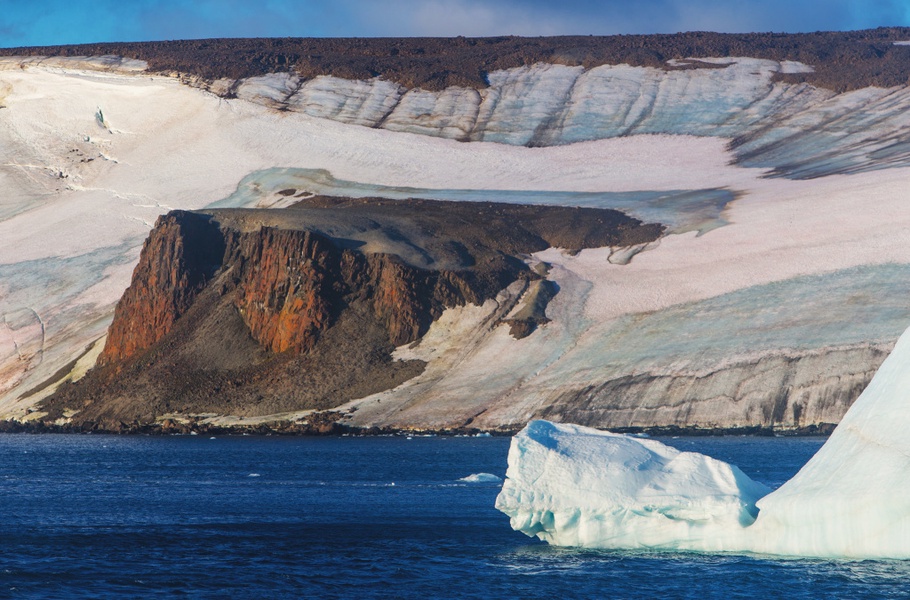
260,312
177,260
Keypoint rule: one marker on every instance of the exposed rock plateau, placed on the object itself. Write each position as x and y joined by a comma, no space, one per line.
257,312
842,61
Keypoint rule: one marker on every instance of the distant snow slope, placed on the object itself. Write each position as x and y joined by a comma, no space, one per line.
799,130
778,315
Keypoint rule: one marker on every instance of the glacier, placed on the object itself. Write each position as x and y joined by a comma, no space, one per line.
575,486
798,130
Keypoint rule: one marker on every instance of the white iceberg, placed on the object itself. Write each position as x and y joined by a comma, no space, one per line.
575,486
481,478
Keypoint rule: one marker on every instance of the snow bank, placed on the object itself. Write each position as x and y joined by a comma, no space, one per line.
800,130
575,486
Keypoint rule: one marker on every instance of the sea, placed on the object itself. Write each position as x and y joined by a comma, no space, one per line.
92,516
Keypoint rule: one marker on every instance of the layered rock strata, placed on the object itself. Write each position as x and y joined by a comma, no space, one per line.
810,392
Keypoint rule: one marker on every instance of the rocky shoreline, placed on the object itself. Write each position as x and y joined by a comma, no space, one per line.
331,425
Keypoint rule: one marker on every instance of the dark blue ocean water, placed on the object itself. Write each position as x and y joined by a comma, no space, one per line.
268,517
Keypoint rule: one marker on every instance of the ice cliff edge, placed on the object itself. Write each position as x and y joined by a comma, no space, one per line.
576,486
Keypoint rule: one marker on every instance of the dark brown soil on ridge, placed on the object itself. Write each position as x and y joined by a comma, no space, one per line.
842,60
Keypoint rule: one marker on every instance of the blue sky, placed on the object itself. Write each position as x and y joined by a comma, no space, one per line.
46,22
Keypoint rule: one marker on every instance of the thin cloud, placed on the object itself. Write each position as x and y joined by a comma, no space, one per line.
462,17
235,18
605,17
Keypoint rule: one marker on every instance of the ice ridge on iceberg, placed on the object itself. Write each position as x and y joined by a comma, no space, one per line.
576,486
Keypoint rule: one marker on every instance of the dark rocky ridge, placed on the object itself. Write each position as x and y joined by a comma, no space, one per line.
843,61
256,312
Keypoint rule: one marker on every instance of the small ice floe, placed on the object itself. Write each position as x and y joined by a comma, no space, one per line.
481,478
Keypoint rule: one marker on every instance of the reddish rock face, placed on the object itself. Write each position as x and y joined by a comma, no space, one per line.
292,285
178,258
288,286
287,289
403,299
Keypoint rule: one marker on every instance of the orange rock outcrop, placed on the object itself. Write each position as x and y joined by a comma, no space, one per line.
178,258
289,286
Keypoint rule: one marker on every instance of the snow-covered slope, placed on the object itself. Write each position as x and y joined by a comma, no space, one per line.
796,129
773,301
576,486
